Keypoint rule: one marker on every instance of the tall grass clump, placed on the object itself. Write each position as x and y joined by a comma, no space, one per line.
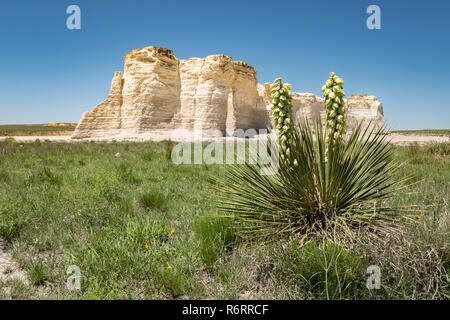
320,270
330,182
215,235
152,200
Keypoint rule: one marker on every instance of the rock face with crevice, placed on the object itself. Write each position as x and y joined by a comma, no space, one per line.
158,93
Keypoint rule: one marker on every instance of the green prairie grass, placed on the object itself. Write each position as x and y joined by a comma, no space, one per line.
64,204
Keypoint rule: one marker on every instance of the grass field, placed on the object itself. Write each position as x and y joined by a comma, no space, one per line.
35,129
436,132
139,226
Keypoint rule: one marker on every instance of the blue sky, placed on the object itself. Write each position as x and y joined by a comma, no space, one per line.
51,74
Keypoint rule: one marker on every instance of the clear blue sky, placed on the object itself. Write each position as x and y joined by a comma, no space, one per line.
51,74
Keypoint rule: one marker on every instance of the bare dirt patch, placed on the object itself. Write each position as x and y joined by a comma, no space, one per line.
8,268
406,139
396,138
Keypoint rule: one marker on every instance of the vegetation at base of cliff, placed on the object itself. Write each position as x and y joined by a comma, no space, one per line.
141,227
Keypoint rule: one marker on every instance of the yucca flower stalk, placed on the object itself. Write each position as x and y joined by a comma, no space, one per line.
282,113
334,105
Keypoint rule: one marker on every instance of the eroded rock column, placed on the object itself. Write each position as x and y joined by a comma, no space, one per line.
151,90
213,90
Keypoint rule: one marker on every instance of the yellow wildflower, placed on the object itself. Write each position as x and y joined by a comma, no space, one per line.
172,231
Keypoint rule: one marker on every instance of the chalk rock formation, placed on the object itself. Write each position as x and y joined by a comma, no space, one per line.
105,119
364,107
159,93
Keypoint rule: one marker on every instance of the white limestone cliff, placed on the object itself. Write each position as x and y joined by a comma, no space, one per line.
159,93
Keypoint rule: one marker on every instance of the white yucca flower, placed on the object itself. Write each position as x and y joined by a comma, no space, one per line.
339,81
335,121
282,113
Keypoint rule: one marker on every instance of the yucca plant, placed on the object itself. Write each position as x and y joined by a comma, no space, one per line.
347,190
326,179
